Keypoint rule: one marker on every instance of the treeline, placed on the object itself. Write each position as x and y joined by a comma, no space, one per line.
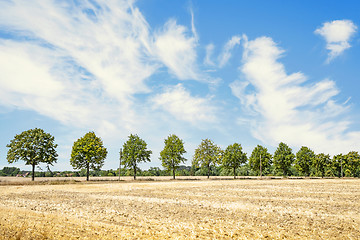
152,171
88,155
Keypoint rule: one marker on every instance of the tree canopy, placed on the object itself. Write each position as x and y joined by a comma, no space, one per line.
353,164
320,163
233,157
283,159
266,160
33,146
303,161
171,155
88,153
207,154
134,152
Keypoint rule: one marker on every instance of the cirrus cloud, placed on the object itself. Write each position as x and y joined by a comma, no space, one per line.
66,59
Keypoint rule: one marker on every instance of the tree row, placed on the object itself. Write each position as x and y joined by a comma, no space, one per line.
35,146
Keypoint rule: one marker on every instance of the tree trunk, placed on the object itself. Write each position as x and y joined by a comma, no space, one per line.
33,172
135,172
173,172
208,175
234,172
87,172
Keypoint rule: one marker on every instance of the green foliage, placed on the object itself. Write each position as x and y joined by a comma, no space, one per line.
320,164
154,171
353,164
207,154
283,158
134,152
266,160
171,155
88,153
344,165
9,171
233,157
303,161
243,170
337,165
183,171
33,146
214,171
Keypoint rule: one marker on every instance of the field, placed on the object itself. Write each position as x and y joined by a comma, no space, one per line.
182,209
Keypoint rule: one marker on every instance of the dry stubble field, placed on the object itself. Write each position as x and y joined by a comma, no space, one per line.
215,209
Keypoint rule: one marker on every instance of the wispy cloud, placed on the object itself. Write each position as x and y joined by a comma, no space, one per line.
337,35
209,52
178,101
93,54
227,51
287,108
177,51
224,56
82,63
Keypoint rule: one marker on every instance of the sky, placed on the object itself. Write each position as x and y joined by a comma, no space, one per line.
251,72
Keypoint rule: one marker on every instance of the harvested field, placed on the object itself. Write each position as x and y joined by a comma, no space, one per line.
204,209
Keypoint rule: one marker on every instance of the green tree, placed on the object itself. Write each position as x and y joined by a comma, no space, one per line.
134,152
321,162
207,154
337,165
254,160
33,146
304,159
353,163
9,171
283,158
233,157
171,155
88,153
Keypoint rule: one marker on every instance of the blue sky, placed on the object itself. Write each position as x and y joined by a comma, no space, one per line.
252,72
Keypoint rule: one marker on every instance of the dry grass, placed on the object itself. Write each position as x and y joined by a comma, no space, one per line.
245,209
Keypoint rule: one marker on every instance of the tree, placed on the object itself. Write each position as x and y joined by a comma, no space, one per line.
206,155
33,146
320,163
283,158
88,153
353,163
254,160
304,159
337,165
9,171
233,157
171,155
134,152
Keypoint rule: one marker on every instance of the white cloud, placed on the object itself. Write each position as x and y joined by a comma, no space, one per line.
209,51
337,35
24,74
94,61
177,51
288,109
178,101
89,59
226,53
193,29
29,80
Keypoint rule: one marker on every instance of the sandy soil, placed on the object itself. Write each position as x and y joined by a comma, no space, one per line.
215,209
